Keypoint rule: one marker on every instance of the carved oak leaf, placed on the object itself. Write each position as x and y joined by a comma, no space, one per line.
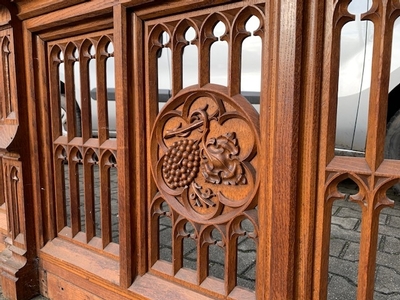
220,163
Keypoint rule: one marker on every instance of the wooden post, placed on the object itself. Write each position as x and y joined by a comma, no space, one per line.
19,267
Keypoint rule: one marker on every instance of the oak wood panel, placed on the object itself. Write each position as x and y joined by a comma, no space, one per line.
174,6
79,28
308,147
29,9
373,175
59,288
18,258
298,103
69,15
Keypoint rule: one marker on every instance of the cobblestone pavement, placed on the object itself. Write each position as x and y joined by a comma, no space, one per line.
345,249
34,298
344,252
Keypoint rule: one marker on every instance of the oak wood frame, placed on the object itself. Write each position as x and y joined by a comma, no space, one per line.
298,102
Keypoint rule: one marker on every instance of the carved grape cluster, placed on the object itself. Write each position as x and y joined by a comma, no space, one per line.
181,163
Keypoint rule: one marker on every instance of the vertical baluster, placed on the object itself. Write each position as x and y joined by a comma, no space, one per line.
90,215
85,58
105,198
74,184
60,187
102,111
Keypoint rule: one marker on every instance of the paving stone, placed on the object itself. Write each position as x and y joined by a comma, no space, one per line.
381,296
350,235
189,263
216,254
165,237
166,253
163,220
394,222
388,260
349,212
335,209
245,259
246,244
336,247
389,231
341,289
348,204
189,246
392,211
383,219
247,280
386,219
344,268
216,269
392,245
346,222
387,280
34,298
352,252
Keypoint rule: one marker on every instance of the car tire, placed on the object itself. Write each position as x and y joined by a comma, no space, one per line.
392,141
63,117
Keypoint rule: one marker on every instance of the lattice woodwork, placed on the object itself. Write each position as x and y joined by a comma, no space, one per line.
85,158
8,96
14,198
204,169
372,174
204,150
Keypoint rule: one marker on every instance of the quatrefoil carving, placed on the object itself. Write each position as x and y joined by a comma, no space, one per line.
206,163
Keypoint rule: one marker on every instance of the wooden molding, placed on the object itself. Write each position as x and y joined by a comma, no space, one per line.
29,9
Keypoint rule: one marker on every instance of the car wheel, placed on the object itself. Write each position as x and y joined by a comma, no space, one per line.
63,118
392,142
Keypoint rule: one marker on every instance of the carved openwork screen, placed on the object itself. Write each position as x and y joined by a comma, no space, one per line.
204,149
372,174
84,140
8,87
11,191
7,77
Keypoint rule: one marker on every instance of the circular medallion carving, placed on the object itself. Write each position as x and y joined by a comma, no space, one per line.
205,154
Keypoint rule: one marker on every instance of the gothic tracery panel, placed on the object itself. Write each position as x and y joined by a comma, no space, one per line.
82,90
373,175
8,95
204,148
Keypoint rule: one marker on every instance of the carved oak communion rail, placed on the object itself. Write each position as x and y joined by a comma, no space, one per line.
108,192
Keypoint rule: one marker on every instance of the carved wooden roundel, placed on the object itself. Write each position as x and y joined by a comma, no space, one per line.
204,154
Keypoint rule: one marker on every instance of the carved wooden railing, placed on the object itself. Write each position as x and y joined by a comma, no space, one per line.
83,158
373,174
111,211
204,150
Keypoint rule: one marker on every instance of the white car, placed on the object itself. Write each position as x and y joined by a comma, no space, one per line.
354,80
354,85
